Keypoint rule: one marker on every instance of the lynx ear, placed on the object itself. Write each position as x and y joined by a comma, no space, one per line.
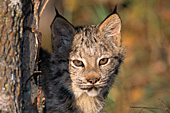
62,34
111,28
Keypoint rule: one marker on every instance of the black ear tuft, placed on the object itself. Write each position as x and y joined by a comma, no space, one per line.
56,11
115,10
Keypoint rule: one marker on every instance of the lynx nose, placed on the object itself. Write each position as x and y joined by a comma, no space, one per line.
93,81
93,78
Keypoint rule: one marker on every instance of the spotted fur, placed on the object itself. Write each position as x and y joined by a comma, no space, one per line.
70,88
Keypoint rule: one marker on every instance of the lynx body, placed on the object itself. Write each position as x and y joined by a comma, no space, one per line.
82,67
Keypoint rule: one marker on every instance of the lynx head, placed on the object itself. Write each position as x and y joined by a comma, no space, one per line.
94,54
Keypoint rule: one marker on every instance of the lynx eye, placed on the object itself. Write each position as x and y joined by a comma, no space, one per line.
103,61
78,63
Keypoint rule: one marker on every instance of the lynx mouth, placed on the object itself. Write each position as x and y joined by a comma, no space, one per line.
92,91
90,87
87,88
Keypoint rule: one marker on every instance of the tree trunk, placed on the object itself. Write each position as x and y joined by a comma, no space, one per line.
19,43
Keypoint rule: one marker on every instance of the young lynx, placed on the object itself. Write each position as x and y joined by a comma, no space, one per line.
83,65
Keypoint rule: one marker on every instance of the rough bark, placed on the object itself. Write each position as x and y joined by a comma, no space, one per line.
19,41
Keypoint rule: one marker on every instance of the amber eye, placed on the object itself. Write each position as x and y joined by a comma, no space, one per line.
103,61
78,63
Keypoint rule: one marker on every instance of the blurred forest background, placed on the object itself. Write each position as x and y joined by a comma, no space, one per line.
144,76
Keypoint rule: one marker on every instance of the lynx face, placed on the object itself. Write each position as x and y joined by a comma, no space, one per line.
93,61
94,54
